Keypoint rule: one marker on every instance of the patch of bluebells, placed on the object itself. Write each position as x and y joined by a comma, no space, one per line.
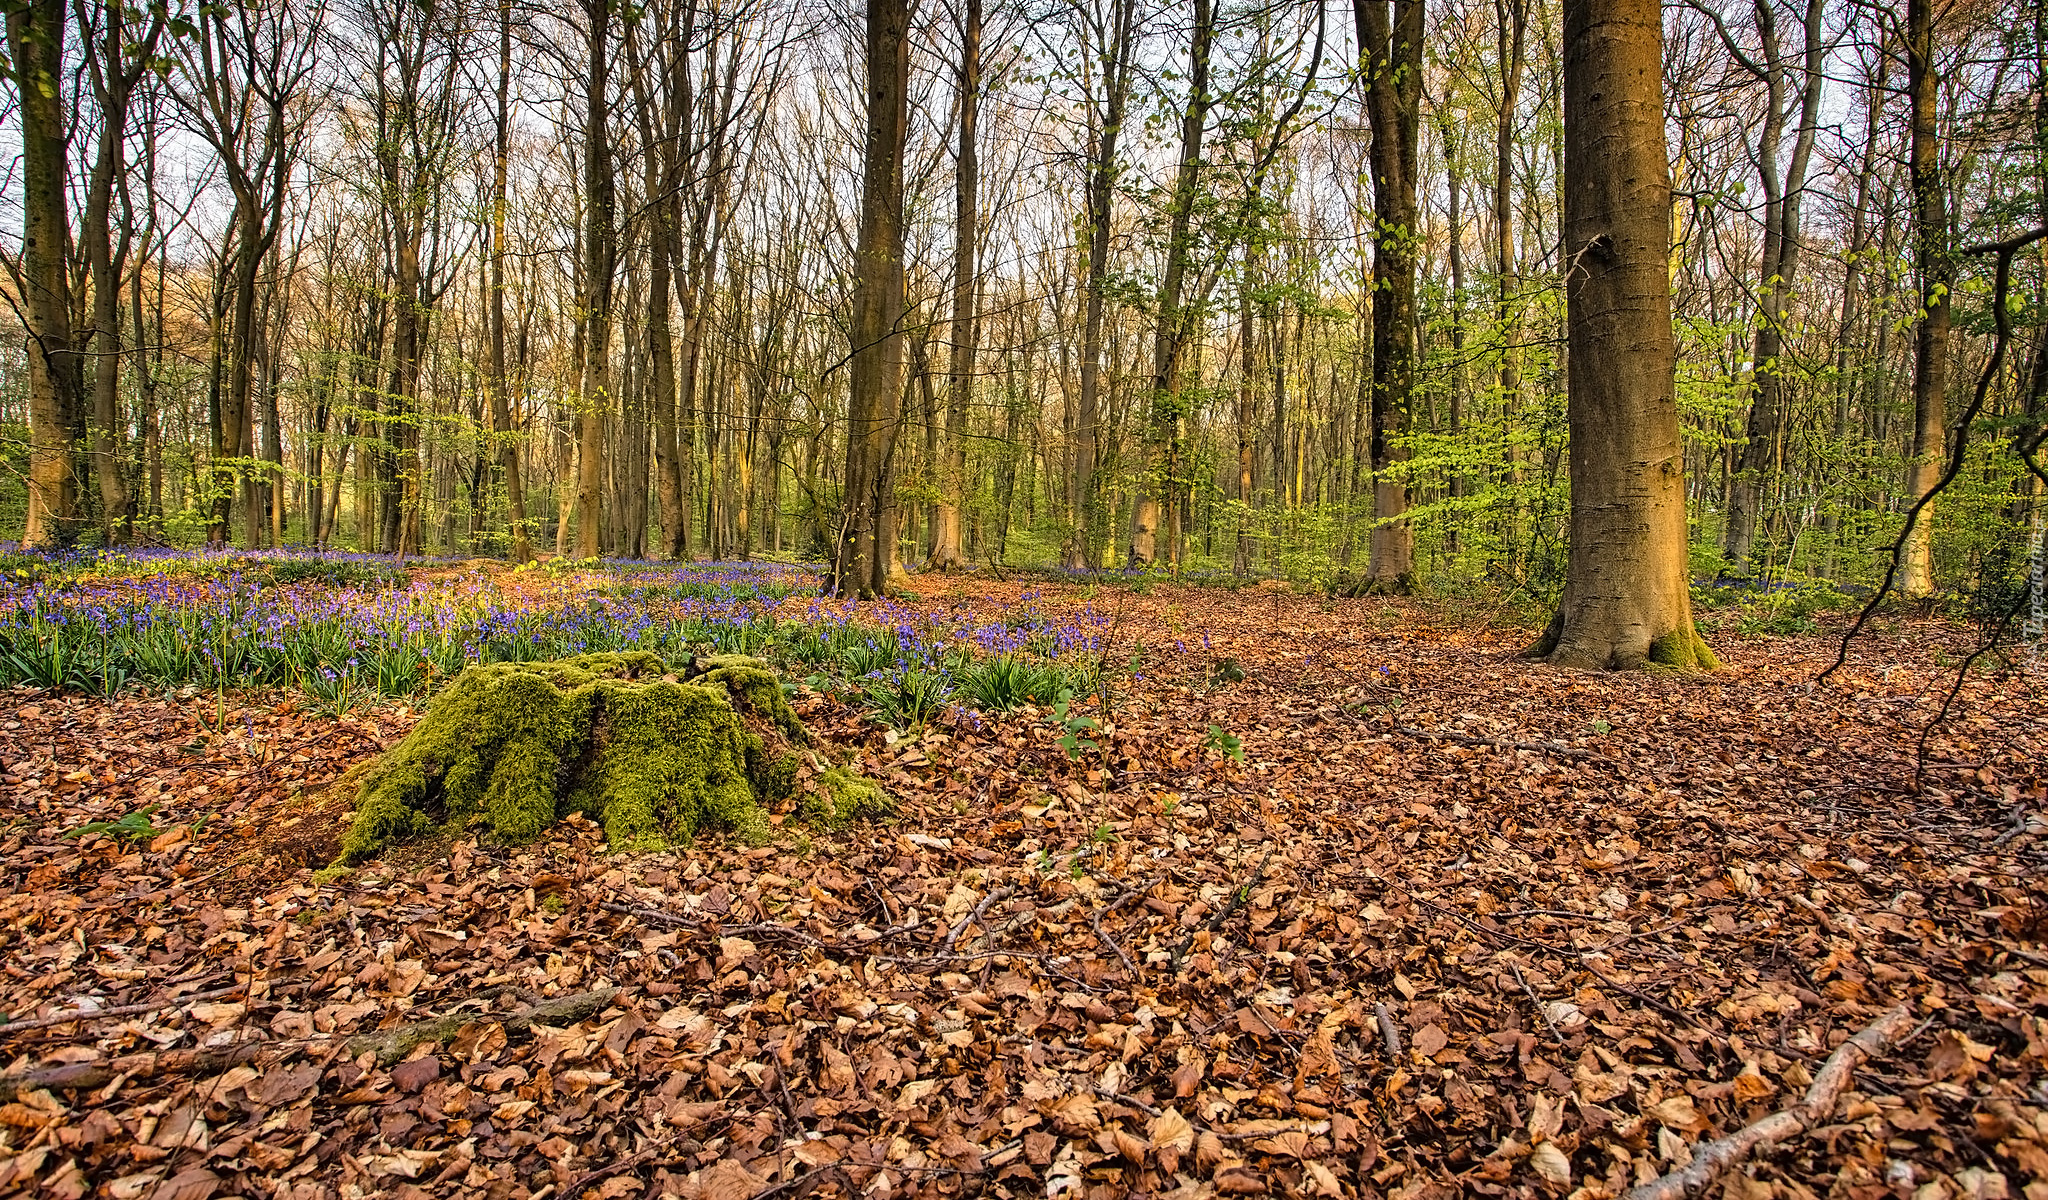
224,619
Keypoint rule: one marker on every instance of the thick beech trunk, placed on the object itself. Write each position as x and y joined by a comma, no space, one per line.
1626,600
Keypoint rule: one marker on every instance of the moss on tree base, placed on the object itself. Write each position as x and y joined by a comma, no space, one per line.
509,748
1683,650
1680,649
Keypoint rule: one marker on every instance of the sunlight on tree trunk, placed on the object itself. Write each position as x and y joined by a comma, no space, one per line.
1627,602
1936,270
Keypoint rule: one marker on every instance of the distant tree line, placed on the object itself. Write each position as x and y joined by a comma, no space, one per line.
1104,283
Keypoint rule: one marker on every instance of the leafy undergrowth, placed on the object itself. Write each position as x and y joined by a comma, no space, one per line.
1607,917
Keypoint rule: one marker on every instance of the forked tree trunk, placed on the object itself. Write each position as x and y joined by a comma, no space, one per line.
1171,336
1626,601
1084,547
599,252
1760,456
501,401
125,55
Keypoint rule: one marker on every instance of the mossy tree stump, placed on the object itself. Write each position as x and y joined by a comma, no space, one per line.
510,748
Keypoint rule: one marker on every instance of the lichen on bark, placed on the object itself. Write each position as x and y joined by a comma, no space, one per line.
652,756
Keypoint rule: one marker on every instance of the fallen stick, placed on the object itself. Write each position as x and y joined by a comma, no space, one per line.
392,1045
1466,739
1712,1160
974,918
1390,1033
1237,898
1535,1000
121,1010
1095,918
81,1077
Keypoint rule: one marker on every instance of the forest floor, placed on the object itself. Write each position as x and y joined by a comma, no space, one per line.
1456,924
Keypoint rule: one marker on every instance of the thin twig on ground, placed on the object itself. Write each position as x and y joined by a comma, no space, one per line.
1237,898
1535,1000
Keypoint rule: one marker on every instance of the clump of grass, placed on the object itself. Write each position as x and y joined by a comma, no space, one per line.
1008,681
907,698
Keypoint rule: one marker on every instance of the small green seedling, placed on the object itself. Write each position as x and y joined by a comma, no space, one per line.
1602,728
1073,741
1224,743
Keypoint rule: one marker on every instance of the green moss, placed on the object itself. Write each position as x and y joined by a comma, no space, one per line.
755,688
509,747
1683,650
666,760
842,797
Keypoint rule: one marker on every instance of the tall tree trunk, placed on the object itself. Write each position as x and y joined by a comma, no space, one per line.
1084,548
1626,602
272,491
1460,378
502,427
865,550
231,433
402,400
1847,369
599,252
662,172
1511,23
1254,252
35,37
124,55
1174,327
146,376
962,331
1935,267
1759,457
1393,101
